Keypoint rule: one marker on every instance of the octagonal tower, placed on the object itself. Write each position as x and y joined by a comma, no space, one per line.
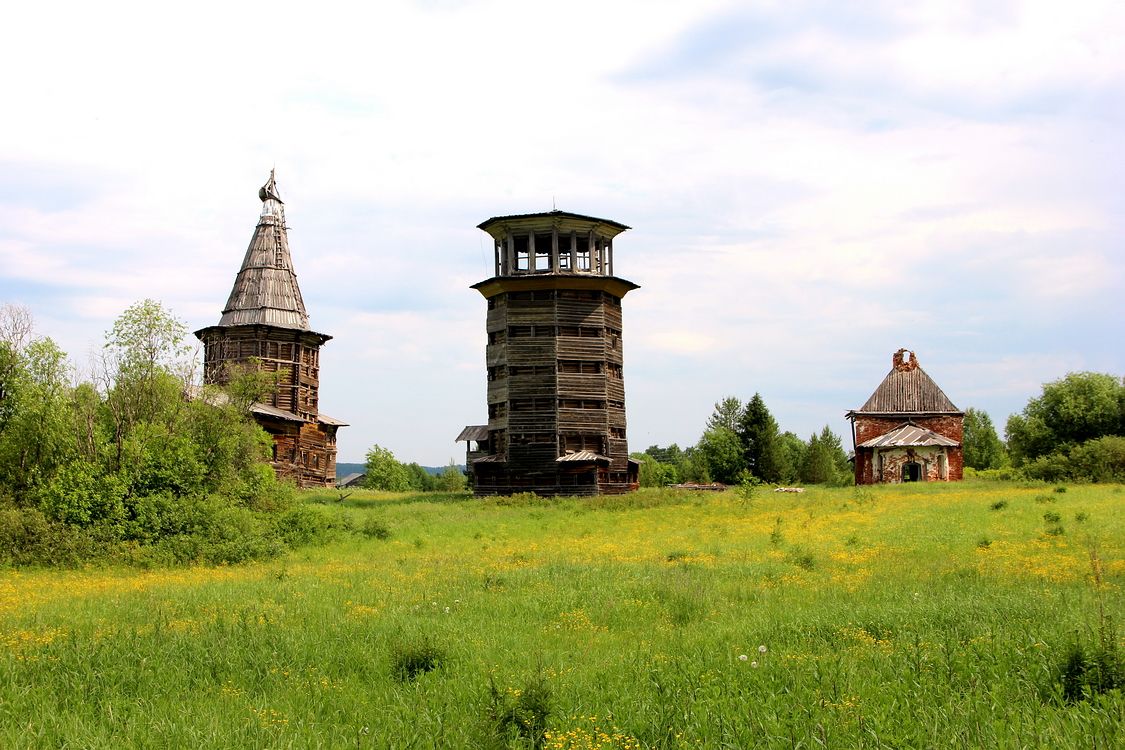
556,388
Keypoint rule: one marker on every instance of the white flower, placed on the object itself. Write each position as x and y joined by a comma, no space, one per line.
754,664
447,610
743,657
761,649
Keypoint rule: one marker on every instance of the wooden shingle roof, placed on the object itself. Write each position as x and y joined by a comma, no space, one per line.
265,290
907,389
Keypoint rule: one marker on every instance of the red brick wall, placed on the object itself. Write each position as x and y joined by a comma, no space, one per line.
866,428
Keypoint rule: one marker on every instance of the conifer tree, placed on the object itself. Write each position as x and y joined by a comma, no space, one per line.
761,441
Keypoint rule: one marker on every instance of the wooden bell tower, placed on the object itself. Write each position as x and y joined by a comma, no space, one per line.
265,325
556,388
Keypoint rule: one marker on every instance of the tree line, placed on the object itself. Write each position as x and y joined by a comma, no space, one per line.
385,472
1074,430
743,443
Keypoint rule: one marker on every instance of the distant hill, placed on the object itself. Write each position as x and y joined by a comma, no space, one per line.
342,469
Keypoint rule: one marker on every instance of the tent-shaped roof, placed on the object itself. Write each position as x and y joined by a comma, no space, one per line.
908,435
265,291
907,389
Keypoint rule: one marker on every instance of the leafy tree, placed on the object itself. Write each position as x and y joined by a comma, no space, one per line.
384,472
36,437
722,454
654,473
693,467
16,327
143,369
452,478
420,479
728,414
792,452
1079,407
981,445
759,434
673,454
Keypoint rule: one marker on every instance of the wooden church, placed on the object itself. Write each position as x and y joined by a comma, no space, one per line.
908,430
556,388
264,325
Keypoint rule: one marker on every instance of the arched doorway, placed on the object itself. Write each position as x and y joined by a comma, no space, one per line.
912,472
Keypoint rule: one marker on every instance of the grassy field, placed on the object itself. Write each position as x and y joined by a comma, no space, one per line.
913,616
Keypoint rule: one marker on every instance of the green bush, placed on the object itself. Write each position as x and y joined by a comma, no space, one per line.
375,528
409,660
28,537
1098,460
521,714
1084,671
305,525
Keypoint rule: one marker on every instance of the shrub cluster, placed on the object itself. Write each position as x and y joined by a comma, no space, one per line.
134,464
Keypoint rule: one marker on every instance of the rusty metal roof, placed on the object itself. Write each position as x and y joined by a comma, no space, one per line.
475,432
265,290
325,419
907,389
908,435
586,456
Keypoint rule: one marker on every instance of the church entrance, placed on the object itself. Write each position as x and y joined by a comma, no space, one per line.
912,472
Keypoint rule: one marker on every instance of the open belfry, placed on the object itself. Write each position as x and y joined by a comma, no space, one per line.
265,326
556,388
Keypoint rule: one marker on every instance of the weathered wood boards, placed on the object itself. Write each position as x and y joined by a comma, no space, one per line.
554,359
265,326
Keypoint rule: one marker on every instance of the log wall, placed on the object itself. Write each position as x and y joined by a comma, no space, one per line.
555,386
304,450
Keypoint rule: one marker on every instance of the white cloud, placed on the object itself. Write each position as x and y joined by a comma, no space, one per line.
811,185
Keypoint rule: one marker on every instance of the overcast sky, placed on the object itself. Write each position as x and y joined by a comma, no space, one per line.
810,187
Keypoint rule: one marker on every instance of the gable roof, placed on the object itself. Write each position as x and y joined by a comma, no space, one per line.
265,290
907,389
908,435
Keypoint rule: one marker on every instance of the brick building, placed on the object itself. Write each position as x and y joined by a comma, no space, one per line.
909,430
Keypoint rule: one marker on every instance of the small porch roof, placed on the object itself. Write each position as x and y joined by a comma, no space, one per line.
582,456
908,435
476,432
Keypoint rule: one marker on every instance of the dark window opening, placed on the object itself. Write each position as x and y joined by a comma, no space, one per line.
577,443
523,256
522,370
533,438
527,332
579,366
580,403
530,404
583,253
542,252
912,472
581,332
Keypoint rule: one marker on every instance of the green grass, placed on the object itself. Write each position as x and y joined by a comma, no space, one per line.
609,622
